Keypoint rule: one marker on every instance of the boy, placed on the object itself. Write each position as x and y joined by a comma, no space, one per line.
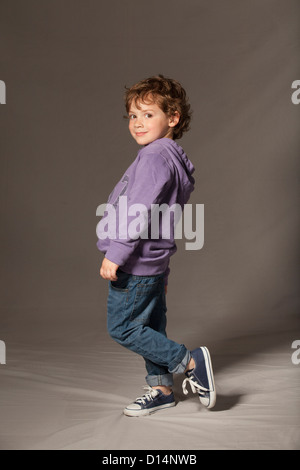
137,265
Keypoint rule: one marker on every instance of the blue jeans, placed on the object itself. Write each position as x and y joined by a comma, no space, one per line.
136,319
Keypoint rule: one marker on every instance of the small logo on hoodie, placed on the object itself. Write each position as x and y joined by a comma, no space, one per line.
159,222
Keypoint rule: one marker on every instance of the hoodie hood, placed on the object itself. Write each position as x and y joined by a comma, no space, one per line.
176,158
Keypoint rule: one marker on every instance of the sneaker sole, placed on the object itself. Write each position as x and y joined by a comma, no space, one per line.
145,412
210,376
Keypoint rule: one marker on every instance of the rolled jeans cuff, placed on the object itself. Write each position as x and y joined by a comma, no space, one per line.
165,379
182,364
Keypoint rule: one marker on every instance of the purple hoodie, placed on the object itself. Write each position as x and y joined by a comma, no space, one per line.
160,174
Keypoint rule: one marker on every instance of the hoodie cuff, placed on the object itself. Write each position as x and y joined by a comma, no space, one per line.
117,255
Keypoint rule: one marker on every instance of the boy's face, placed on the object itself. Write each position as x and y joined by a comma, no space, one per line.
150,123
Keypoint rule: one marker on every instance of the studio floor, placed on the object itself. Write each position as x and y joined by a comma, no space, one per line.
67,392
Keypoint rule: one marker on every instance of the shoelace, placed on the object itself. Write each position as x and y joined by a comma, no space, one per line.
195,387
148,396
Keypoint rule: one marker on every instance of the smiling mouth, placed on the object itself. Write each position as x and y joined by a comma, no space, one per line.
140,133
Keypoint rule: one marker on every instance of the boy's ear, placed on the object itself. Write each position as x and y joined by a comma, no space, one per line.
174,119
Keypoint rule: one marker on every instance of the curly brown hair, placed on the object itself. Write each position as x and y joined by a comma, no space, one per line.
169,95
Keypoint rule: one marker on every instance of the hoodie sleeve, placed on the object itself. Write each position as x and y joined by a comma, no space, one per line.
151,181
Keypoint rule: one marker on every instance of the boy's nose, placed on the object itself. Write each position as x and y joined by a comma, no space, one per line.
138,123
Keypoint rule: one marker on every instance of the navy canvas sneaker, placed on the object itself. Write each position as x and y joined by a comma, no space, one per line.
153,400
201,378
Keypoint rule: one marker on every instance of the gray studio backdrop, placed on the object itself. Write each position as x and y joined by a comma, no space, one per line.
64,145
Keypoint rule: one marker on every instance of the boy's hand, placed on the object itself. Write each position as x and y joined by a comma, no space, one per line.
108,270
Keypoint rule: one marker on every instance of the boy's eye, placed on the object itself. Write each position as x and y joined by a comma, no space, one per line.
132,116
148,115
